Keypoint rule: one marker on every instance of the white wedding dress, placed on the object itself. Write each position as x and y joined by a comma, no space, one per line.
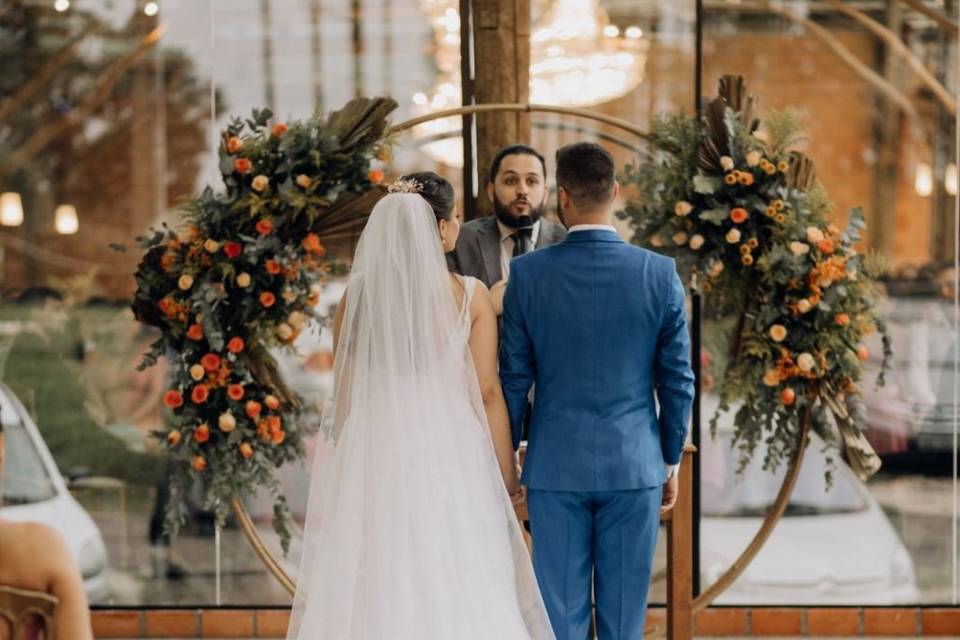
410,533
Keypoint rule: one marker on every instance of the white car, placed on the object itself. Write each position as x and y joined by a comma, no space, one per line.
34,491
830,548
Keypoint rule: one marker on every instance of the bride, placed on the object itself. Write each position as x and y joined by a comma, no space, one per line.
410,530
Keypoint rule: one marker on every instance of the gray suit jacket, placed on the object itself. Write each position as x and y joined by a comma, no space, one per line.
477,252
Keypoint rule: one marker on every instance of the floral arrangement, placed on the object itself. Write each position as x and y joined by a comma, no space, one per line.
242,276
746,220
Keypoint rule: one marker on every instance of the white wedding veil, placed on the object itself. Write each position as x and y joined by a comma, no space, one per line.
409,530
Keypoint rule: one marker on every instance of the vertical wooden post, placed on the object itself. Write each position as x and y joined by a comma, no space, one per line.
680,556
502,59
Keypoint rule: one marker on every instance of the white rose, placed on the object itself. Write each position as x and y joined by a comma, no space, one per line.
799,248
727,163
288,295
806,362
185,282
683,208
227,422
297,319
284,331
733,236
814,235
803,306
696,242
753,158
243,280
680,239
260,183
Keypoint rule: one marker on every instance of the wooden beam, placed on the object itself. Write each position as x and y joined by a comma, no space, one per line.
943,21
896,46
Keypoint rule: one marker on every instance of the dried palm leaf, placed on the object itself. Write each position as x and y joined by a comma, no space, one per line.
802,174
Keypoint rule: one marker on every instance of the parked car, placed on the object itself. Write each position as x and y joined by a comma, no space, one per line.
914,410
831,547
34,491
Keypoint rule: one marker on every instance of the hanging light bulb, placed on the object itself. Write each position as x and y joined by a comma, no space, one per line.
65,220
950,179
151,9
923,181
11,209
61,5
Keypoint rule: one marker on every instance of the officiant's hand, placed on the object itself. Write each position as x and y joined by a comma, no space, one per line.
496,296
670,489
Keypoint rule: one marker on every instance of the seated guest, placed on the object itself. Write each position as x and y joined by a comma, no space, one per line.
34,557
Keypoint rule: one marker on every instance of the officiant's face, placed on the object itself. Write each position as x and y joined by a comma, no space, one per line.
519,188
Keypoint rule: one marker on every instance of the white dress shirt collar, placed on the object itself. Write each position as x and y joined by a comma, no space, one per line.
591,227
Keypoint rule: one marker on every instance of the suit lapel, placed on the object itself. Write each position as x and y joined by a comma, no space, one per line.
489,244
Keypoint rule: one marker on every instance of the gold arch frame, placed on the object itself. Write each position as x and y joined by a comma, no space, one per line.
786,489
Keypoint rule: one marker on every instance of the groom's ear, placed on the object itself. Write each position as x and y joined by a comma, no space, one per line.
490,191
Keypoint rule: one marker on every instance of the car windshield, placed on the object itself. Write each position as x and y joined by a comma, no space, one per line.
725,494
25,478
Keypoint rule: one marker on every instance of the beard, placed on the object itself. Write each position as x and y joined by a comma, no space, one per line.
504,215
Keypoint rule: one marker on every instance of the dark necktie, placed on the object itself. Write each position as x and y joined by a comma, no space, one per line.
522,241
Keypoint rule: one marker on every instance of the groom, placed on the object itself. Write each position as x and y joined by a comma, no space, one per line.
600,327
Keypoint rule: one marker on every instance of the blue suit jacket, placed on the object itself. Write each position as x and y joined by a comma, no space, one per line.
600,326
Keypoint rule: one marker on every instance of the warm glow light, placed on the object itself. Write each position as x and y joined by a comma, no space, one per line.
420,98
61,5
923,182
151,8
950,179
65,219
634,33
611,31
11,209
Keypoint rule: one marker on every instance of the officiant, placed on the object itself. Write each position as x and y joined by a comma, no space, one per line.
517,189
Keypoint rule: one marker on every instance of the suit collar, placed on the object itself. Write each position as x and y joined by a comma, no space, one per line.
593,235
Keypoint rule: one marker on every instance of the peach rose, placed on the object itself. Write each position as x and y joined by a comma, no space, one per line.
842,319
680,239
753,158
174,438
303,180
253,409
804,306
682,208
243,280
227,422
696,242
778,332
799,248
260,183
727,163
234,144
246,450
284,331
197,372
771,378
806,362
272,402
185,282
212,246
733,236
199,464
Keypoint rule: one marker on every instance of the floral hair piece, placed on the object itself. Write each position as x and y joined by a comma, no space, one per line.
408,185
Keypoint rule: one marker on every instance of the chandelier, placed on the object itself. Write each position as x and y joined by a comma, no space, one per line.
577,59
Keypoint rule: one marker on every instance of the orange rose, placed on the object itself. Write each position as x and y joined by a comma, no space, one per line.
272,402
826,246
202,433
739,215
278,437
234,144
242,165
173,438
235,345
199,464
200,394
787,396
267,299
274,424
264,226
745,178
210,362
312,244
253,409
863,352
279,129
246,450
376,176
173,399
195,332
842,319
273,267
235,391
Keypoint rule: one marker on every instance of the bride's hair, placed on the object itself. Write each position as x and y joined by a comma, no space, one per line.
436,191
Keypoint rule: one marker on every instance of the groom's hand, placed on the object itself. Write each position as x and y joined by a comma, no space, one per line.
670,489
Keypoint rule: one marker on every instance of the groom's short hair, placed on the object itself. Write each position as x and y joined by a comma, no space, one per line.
586,171
515,150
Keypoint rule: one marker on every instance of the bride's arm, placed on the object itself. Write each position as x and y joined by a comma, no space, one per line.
483,348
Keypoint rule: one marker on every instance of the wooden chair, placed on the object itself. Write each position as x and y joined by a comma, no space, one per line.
679,523
22,607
